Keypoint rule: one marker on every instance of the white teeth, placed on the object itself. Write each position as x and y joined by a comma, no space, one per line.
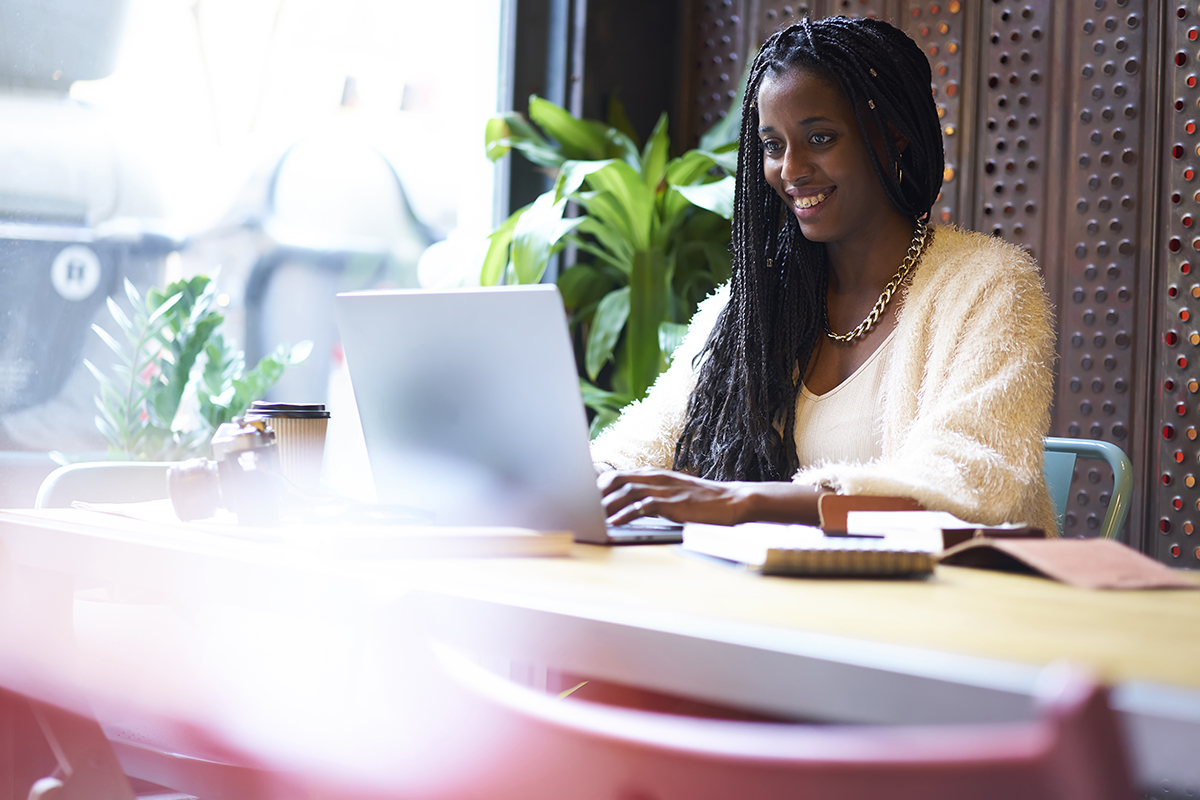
809,202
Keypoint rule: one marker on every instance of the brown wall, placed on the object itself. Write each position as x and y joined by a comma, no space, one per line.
1069,129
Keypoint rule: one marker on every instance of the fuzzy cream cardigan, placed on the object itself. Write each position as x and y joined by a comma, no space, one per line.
966,391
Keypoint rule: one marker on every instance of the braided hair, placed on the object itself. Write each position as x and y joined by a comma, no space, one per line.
740,421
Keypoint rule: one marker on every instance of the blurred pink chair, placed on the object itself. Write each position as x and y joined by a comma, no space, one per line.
529,745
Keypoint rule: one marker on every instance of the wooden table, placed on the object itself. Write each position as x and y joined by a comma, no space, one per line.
225,633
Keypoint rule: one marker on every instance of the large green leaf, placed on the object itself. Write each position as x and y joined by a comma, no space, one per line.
649,306
654,156
580,139
597,398
605,258
496,139
689,168
608,210
726,157
631,194
717,196
622,147
583,285
499,241
535,235
613,239
574,173
510,130
607,324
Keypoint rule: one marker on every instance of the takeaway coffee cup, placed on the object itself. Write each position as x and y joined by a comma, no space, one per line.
300,433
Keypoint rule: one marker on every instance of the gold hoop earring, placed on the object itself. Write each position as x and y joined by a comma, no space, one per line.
899,174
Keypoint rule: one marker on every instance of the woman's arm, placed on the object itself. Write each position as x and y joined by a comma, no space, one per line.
683,498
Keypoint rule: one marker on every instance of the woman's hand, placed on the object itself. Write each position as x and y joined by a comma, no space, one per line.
674,495
683,498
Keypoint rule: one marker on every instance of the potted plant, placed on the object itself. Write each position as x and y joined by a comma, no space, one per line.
177,377
653,234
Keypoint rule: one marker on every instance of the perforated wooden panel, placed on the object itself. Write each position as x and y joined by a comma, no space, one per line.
1100,256
1070,128
1177,300
717,43
940,29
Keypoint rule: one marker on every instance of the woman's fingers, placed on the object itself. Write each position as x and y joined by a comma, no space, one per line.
628,495
678,497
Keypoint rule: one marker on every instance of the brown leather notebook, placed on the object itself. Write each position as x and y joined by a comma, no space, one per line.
1086,563
833,508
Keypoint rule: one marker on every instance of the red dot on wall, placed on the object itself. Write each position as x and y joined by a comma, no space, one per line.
1166,479
1171,338
1172,291
1188,174
1174,245
1179,105
1182,362
1177,151
1181,409
1187,220
1168,431
1178,460
1180,59
1184,315
1185,268
1177,503
1191,126
1164,525
1175,551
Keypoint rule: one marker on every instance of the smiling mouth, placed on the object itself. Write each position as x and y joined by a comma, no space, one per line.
809,202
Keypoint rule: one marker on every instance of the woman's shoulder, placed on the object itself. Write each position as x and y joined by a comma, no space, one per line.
973,254
708,311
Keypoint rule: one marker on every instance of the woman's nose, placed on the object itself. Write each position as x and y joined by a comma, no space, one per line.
795,166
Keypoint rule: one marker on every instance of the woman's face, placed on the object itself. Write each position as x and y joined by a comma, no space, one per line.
815,158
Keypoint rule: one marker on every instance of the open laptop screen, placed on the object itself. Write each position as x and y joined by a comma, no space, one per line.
470,405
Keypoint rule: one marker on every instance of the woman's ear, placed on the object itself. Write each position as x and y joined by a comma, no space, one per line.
898,139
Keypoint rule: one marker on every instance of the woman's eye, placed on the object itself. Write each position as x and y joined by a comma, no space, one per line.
821,138
770,147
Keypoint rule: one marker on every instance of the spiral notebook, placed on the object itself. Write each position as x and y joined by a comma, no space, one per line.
806,550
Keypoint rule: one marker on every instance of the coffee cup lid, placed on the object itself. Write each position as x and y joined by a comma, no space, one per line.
261,408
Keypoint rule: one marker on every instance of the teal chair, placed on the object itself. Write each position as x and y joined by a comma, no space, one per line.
1060,458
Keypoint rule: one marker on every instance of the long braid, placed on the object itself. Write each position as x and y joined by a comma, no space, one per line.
741,418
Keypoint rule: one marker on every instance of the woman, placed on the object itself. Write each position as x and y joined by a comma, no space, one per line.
855,350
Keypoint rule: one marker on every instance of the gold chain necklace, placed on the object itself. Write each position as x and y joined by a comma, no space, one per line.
920,239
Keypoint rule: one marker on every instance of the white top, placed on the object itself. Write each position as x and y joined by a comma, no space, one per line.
843,425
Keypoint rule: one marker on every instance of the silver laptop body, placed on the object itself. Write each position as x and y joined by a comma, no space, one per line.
471,409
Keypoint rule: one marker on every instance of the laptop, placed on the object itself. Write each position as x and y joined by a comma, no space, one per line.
471,411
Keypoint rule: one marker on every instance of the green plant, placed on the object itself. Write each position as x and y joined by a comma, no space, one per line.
174,346
653,233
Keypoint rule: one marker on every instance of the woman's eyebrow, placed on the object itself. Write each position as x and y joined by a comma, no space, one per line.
801,123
